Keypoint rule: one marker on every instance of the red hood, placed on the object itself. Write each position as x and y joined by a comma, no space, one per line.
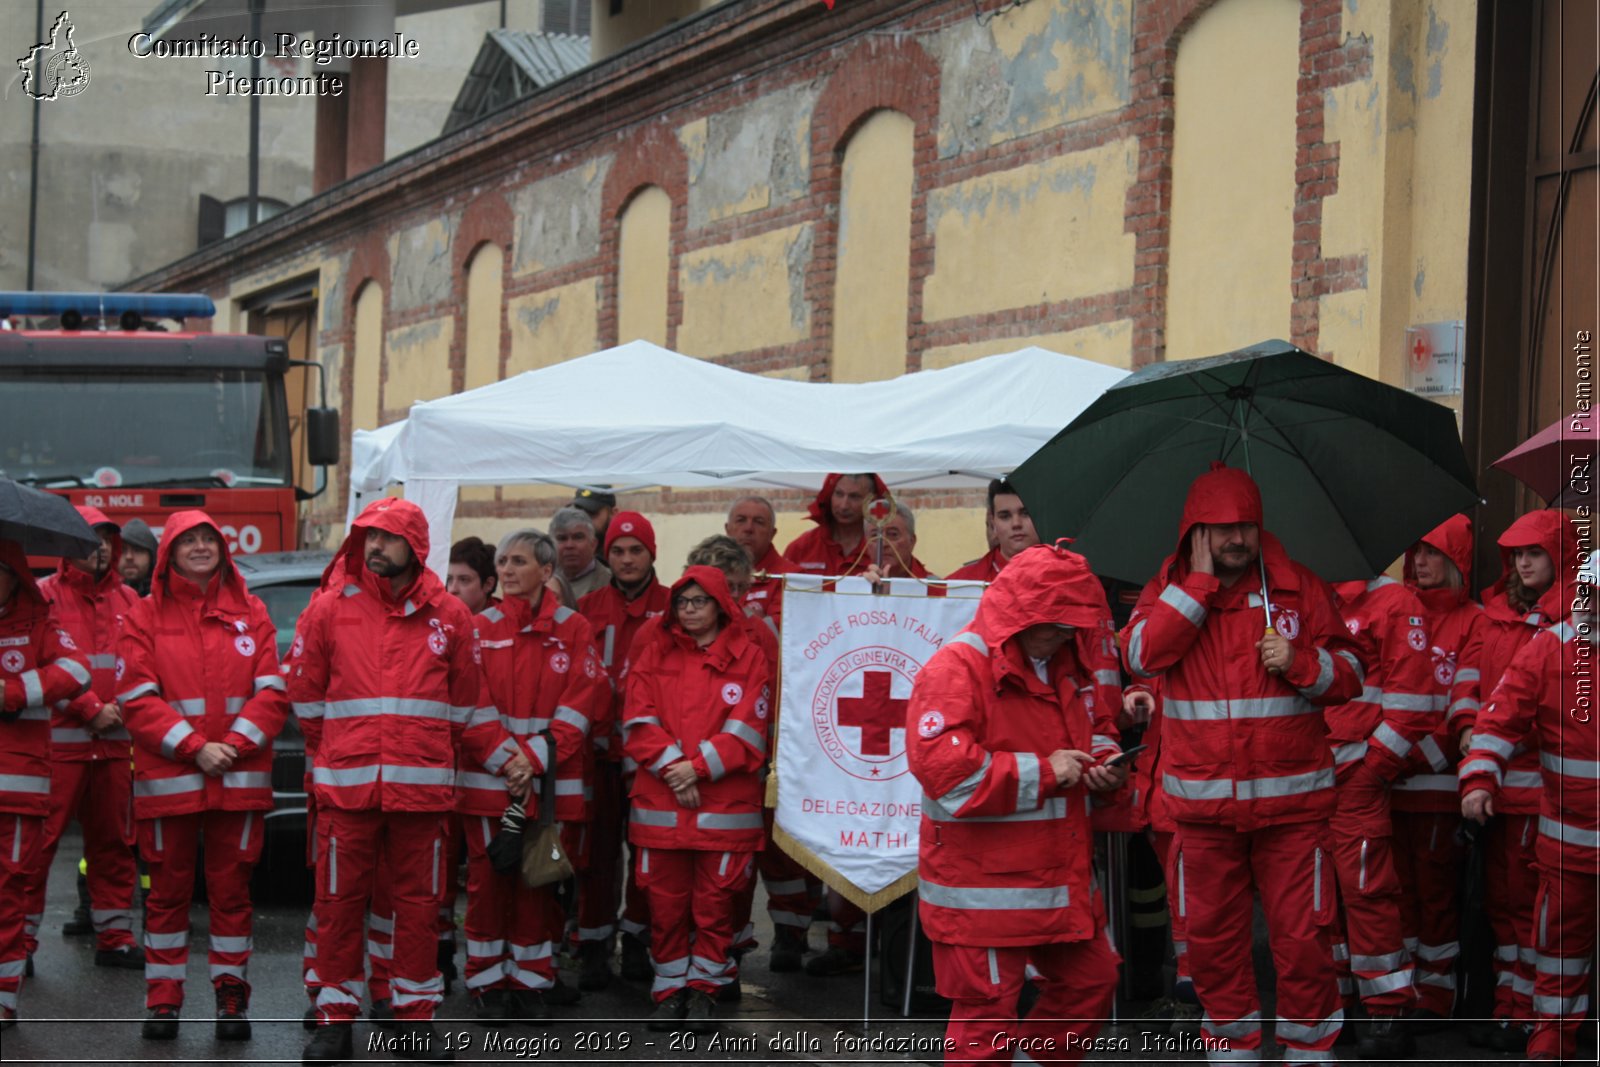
1546,528
229,588
715,583
1453,537
1041,584
1223,496
28,601
391,515
820,510
96,518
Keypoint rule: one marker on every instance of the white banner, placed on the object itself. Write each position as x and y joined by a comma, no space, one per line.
848,807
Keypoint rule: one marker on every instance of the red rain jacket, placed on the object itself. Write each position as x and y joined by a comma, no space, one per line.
196,667
617,621
710,706
766,585
384,684
815,551
981,570
1239,746
40,668
1396,709
92,611
542,673
1005,855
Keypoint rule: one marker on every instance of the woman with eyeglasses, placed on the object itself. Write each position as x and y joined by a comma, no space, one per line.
695,720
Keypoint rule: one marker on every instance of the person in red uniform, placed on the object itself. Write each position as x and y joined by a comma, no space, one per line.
40,667
1005,746
198,682
1012,528
471,577
1245,763
1533,593
1540,701
544,687
90,750
616,611
384,676
838,545
753,523
695,721
1425,805
1371,738
899,545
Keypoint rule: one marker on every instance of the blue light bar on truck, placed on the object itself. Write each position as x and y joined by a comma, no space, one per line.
109,305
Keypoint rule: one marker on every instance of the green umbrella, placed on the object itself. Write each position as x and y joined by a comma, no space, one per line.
1351,471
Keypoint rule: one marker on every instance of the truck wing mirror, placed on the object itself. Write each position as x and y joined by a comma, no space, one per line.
322,436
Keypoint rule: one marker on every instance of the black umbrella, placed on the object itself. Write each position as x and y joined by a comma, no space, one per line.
1352,471
42,523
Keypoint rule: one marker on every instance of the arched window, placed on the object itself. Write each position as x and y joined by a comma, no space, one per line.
643,259
871,289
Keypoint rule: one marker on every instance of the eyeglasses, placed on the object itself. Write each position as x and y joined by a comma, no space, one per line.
693,603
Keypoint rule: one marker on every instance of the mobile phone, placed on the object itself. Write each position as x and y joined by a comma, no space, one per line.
1125,756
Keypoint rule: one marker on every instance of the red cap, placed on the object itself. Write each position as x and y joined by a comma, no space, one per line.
631,524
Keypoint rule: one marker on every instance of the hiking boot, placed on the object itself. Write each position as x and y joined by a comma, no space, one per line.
418,1040
834,961
665,1018
1385,1038
561,995
788,945
489,1006
82,922
160,1025
594,965
1508,1036
130,957
636,960
699,1011
330,1044
731,992
233,1000
308,1021
381,1014
525,1006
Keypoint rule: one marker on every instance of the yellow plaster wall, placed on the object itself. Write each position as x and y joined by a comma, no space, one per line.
1110,343
642,272
871,293
746,294
1043,232
1233,181
418,365
368,359
483,317
553,325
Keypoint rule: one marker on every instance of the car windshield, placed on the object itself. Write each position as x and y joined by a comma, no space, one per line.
285,601
134,427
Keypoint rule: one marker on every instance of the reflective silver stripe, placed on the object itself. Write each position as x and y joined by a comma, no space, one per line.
143,689
1441,981
418,775
714,768
1136,650
1461,705
1570,835
249,820
994,968
1564,1006
172,972
572,717
540,745
79,672
1480,766
39,713
231,944
1467,674
1407,702
609,646
1100,741
33,689
1284,785
1390,738
1242,708
166,787
493,614
990,898
1244,1027
1372,694
192,707
963,790
1028,781
1563,632
175,940
1178,598
1438,953
711,820
562,614
570,787
1490,743
461,713
1430,748
234,705
344,776
502,754
1054,808
1524,780
1379,582
1506,953
24,783
1197,788
174,737
1309,1034
246,780
307,710
1355,665
407,706
648,817
672,755
102,661
749,736
1341,951
1371,987
1349,753
1573,768
642,720
971,640
62,736
242,725
479,780
1570,966
271,681
1108,678
1183,899
1324,675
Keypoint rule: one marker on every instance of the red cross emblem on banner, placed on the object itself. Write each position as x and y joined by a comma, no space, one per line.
874,711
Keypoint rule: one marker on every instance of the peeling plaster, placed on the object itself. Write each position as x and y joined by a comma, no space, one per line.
979,197
532,317
421,271
751,157
558,218
1417,282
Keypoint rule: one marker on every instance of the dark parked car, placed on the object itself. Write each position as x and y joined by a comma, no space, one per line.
285,581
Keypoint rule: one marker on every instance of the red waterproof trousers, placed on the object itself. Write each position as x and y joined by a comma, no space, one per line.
792,891
1564,938
350,844
170,846
600,886
692,898
1219,871
1178,922
100,794
512,931
380,940
1370,941
1427,859
1509,894
19,840
1076,981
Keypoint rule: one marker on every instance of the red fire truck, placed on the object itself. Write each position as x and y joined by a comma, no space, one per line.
98,404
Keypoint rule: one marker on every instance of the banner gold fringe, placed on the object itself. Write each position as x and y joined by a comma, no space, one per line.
868,902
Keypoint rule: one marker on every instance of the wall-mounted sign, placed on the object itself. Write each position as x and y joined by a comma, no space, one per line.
1434,358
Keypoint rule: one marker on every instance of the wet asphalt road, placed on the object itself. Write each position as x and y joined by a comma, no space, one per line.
76,1013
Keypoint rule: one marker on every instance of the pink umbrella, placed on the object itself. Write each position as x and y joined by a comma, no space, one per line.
1558,462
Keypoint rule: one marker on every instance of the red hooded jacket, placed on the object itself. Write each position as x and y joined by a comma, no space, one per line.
1239,746
383,684
815,551
41,668
1396,709
1006,853
195,667
984,569
766,585
542,673
1429,784
616,621
91,610
710,706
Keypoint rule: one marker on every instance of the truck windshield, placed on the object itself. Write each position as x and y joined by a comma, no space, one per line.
127,427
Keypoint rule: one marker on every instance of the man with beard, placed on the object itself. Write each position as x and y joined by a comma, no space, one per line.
138,555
